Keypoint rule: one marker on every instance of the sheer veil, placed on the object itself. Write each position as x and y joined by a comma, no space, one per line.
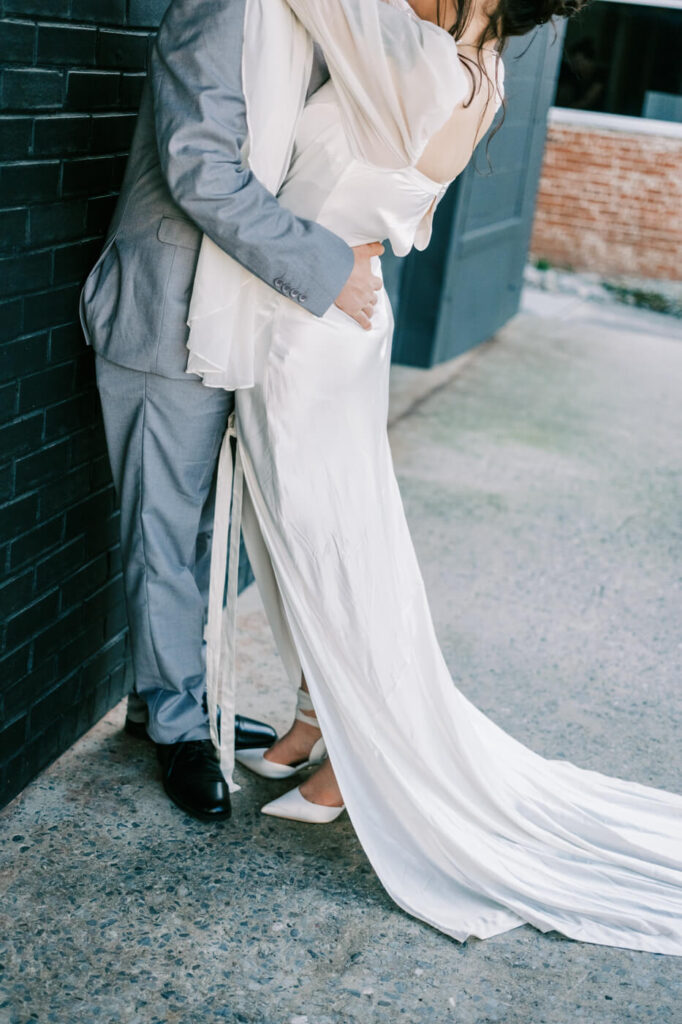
398,78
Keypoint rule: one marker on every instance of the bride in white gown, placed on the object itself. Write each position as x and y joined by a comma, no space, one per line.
466,828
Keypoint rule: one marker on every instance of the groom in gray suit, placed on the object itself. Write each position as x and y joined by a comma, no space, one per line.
164,428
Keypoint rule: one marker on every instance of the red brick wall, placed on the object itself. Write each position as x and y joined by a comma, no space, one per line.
610,201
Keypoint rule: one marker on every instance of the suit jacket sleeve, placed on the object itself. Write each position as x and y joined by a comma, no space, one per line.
200,119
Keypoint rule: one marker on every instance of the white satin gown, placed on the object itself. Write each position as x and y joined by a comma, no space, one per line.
466,828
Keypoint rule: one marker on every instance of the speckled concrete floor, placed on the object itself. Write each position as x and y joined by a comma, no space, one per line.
543,486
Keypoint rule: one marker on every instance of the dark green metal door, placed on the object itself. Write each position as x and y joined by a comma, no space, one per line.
460,290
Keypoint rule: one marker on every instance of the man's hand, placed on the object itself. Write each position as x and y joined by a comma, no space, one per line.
359,294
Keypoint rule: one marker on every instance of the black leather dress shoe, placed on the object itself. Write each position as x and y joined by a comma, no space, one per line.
248,732
136,729
192,779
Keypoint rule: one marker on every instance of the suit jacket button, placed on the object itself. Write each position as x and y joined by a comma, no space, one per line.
303,298
278,282
294,294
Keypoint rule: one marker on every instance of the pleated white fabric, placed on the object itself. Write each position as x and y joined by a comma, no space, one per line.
466,828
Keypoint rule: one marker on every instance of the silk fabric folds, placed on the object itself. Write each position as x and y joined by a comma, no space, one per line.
467,828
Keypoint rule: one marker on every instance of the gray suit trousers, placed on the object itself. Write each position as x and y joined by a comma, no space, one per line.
163,436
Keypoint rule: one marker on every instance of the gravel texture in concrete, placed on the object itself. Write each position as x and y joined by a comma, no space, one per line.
543,485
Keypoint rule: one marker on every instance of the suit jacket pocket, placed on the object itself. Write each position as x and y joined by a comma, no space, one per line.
135,301
184,240
100,294
174,231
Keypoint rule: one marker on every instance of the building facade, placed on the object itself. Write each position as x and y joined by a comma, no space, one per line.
610,196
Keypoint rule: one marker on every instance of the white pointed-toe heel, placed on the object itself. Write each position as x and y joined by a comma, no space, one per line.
254,759
294,806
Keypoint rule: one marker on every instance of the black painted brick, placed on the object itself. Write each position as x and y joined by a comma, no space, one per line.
117,171
13,736
39,751
29,686
81,646
16,593
69,489
73,262
66,44
122,49
90,90
56,222
100,212
116,619
94,510
66,342
26,273
52,637
23,625
18,516
15,137
107,660
72,75
84,377
13,230
86,580
17,41
30,546
61,134
47,711
58,306
31,88
43,8
131,90
85,445
29,182
113,12
105,600
21,357
6,492
13,669
11,321
89,176
42,466
53,568
8,401
41,389
112,133
146,13
65,417
100,472
104,537
21,436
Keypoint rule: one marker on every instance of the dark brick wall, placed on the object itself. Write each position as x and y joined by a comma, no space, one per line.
70,82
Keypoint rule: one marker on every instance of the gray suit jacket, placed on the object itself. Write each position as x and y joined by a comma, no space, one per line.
184,177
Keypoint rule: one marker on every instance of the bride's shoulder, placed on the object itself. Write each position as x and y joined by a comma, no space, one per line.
449,150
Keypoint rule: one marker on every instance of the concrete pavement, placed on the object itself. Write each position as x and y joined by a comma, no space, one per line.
542,479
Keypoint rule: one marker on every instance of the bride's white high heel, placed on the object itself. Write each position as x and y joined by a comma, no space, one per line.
294,806
254,759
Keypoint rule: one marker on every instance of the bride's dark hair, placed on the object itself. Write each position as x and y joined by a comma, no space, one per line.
509,17
506,18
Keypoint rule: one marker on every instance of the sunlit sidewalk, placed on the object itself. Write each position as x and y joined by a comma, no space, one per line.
542,478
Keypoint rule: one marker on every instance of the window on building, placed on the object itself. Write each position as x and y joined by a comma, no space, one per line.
624,58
